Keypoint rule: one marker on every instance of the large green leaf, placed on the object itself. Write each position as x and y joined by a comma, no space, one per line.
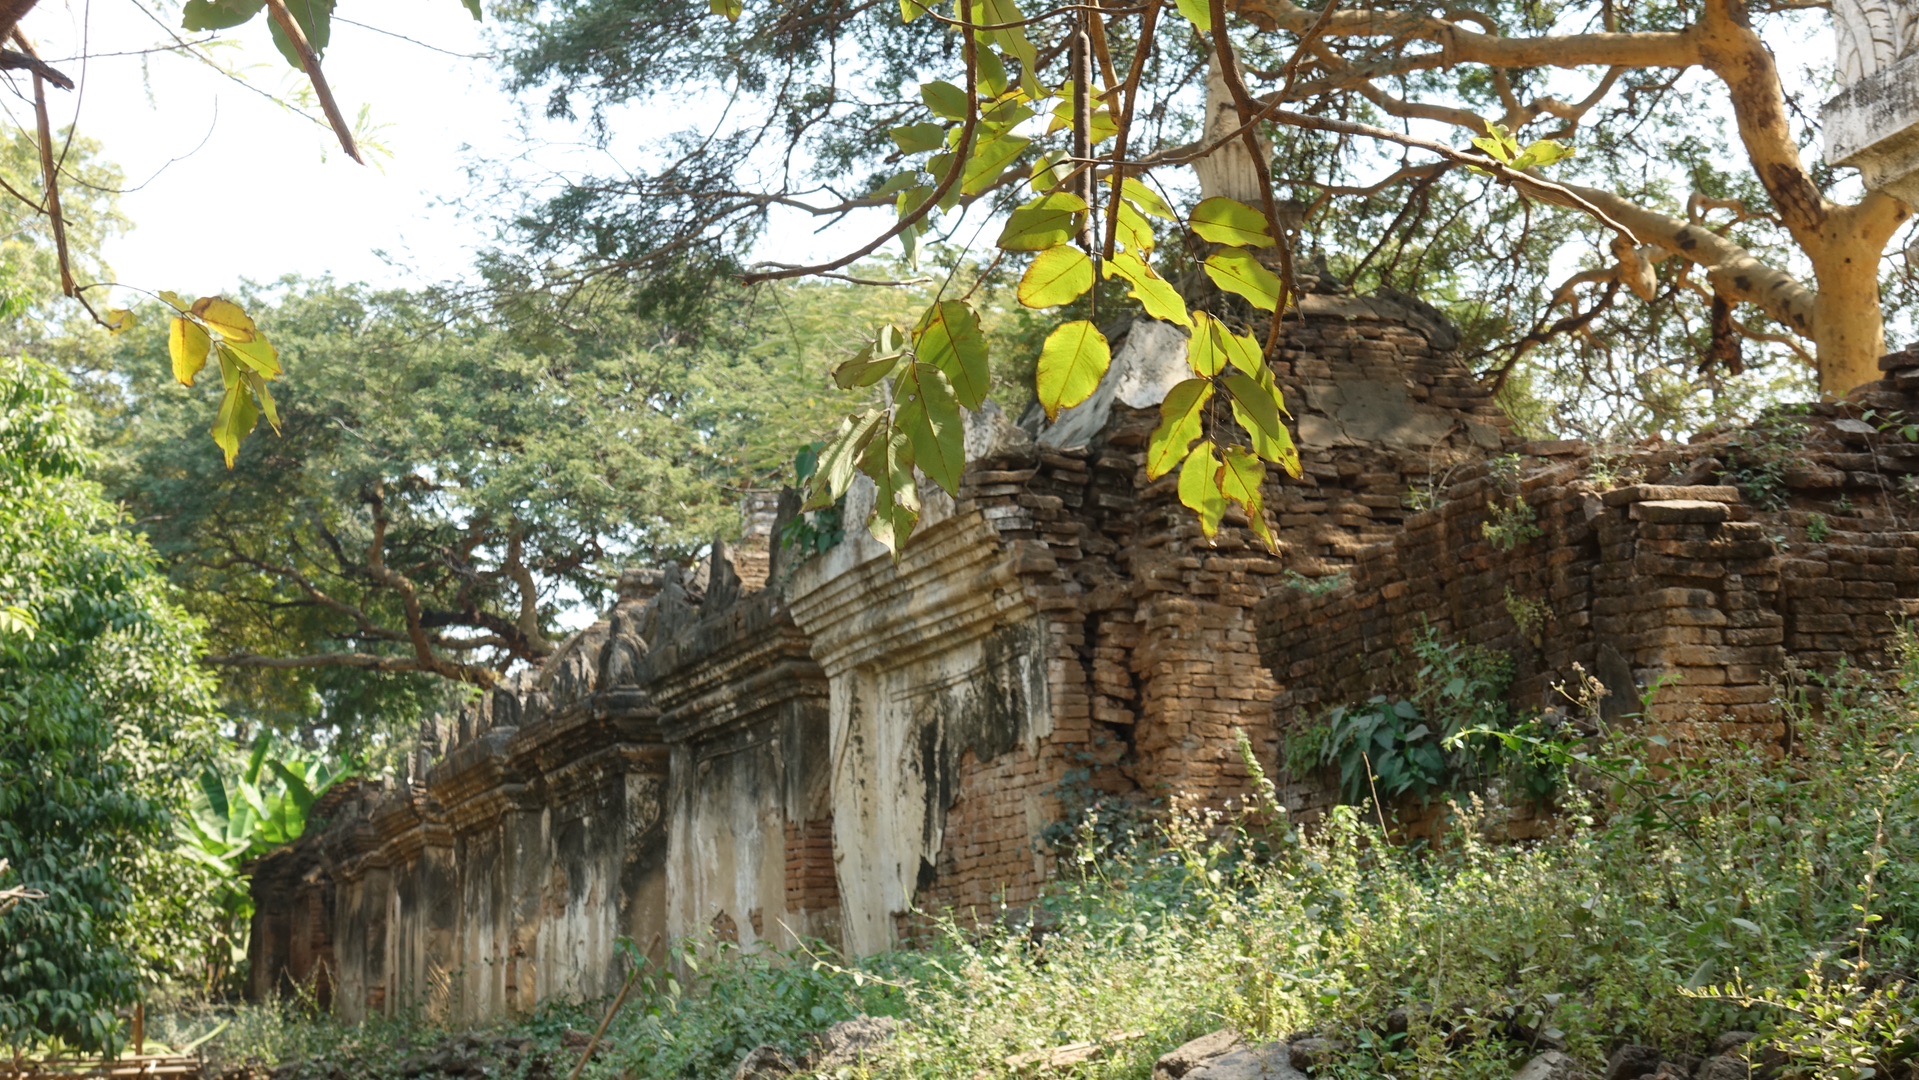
296,786
1058,277
888,460
930,416
947,101
1228,221
1199,487
201,15
950,339
1253,405
990,160
874,362
1153,292
841,459
1236,271
1071,364
1048,221
1146,199
1181,422
919,138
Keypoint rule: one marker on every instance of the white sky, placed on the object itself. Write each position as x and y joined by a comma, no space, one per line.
258,191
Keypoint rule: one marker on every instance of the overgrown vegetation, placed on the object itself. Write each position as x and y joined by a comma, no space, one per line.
1723,888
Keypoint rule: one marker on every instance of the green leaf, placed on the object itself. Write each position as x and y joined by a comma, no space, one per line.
913,9
201,15
1134,232
1543,153
888,460
950,339
1181,417
1236,271
1199,487
992,74
236,421
917,138
945,99
1257,408
1159,298
840,461
315,18
990,159
297,791
473,8
1049,170
1045,222
1200,14
225,317
1146,199
1071,365
1013,40
1228,221
930,416
256,355
729,8
1058,277
188,344
897,183
1104,126
1241,476
874,362
262,397
119,321
1206,351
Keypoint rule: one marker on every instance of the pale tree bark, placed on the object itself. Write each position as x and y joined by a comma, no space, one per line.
1840,312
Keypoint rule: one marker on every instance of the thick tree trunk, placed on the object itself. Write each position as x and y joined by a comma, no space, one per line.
1849,320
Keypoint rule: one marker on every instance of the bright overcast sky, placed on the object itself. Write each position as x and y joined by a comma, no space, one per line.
257,191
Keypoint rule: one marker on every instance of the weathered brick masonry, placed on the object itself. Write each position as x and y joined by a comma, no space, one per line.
767,752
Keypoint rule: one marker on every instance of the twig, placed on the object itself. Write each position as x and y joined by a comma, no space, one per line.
310,60
1130,96
619,1002
1244,104
49,172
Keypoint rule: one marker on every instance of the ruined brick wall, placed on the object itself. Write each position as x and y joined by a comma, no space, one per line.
1791,540
763,752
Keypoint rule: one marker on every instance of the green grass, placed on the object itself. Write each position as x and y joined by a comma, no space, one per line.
1676,902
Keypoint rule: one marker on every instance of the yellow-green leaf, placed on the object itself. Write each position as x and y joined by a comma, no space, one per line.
729,8
1048,221
263,397
1199,487
1243,351
1206,353
1146,199
1071,364
1134,233
913,9
1271,442
919,138
945,99
949,338
1153,292
173,300
1059,276
224,317
1241,480
119,320
1181,421
1200,14
989,160
874,362
235,421
930,416
1236,271
896,509
839,462
992,75
1253,404
188,344
256,355
1049,170
1228,221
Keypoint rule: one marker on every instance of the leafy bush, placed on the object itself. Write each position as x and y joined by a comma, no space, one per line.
103,713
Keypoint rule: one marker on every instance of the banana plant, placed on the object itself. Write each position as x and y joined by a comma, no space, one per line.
267,805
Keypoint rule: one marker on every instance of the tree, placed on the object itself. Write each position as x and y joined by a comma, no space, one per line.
1432,147
103,715
451,486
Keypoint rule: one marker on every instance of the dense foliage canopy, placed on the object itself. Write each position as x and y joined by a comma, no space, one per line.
103,714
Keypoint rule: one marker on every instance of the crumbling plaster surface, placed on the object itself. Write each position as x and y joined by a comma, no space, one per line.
929,661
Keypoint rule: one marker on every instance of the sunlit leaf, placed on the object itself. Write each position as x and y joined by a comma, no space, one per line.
1228,221
1146,199
1059,276
1071,364
874,362
888,460
990,159
1241,479
992,74
930,416
949,338
730,9
315,18
839,462
1236,271
225,317
918,138
1045,222
236,420
119,321
256,355
911,9
1133,231
1199,13
263,397
1153,292
201,15
188,345
1199,487
945,99
1181,422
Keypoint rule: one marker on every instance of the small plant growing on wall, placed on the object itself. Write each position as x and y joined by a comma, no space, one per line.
1512,523
1758,458
1529,614
1818,530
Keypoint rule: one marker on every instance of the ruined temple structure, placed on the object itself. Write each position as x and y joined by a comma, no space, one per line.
774,749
